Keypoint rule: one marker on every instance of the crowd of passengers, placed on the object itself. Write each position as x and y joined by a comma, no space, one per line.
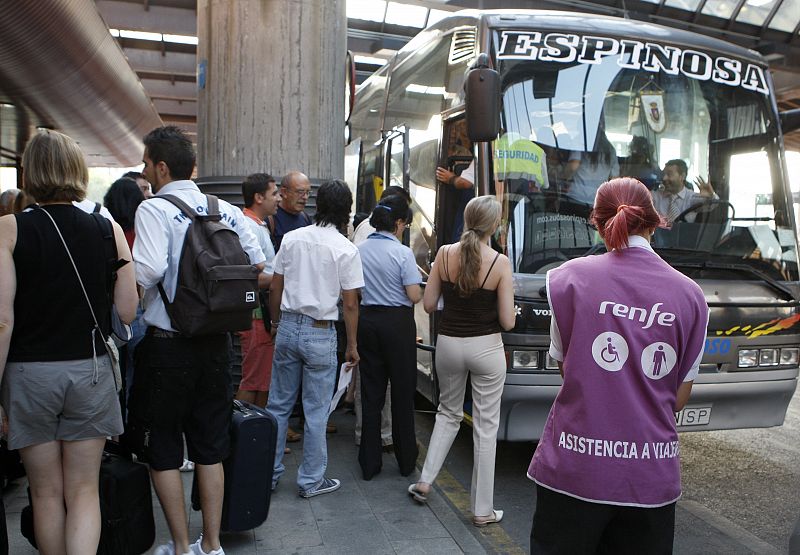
336,296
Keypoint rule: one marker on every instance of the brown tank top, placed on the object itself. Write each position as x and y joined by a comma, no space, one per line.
469,316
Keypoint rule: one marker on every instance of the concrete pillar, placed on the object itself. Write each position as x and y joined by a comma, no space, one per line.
273,97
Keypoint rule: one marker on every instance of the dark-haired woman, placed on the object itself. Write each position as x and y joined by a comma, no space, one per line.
386,336
122,199
607,468
478,292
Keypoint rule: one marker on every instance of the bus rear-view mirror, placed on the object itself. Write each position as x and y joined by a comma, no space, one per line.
482,101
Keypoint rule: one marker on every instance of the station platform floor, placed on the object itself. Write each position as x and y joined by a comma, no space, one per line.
378,517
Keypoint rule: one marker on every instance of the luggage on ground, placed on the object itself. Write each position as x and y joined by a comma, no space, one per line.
248,469
126,506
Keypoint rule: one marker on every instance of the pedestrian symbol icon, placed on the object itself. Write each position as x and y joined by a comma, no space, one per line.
610,351
658,360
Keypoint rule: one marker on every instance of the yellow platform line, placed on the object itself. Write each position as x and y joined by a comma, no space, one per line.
459,497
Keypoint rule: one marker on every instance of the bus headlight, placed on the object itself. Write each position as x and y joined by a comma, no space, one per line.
550,363
748,358
528,360
768,357
790,356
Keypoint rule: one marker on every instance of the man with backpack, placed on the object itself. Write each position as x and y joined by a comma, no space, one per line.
198,284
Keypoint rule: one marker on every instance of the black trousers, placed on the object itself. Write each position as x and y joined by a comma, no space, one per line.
387,346
3,529
564,524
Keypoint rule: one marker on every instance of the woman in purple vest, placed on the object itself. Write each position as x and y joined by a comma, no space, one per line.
628,331
476,284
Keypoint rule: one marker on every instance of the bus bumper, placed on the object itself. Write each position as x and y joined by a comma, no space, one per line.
742,404
724,401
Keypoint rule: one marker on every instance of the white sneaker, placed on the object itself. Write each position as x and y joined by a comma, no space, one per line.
197,548
187,466
165,549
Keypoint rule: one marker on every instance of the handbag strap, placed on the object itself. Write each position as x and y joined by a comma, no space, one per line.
77,273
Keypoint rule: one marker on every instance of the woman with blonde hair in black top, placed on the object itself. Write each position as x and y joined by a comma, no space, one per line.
58,386
476,284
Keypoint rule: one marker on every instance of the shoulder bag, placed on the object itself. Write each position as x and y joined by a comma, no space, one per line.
111,347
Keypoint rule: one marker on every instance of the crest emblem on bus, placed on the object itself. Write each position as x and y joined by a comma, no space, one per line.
654,113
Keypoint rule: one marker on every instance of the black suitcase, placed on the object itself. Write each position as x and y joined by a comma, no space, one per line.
126,506
248,469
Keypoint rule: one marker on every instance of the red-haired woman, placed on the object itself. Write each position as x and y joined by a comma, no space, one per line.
628,331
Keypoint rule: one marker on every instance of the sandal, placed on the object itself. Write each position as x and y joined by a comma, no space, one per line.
417,495
481,521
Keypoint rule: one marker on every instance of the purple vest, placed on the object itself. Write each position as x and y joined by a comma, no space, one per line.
631,328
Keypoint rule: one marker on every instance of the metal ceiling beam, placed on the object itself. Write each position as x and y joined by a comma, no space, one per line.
135,17
168,76
162,88
175,107
171,62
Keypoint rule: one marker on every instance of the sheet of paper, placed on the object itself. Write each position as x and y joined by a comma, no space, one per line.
345,376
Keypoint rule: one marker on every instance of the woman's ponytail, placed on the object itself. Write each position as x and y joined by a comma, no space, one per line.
481,218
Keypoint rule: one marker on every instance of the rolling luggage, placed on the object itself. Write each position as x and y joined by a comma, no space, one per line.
126,506
248,469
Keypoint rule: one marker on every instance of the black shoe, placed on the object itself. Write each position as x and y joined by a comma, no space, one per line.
369,476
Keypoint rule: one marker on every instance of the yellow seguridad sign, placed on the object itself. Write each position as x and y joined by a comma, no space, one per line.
517,158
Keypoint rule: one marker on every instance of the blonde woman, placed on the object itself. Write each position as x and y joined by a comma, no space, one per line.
477,287
58,387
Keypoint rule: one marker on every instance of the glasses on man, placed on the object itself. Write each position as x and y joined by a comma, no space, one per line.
300,192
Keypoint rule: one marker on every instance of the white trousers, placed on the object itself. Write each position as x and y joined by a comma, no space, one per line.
483,359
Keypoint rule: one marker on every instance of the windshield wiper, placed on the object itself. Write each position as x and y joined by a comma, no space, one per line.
707,265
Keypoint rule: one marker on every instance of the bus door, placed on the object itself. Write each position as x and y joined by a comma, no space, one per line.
420,238
368,184
456,155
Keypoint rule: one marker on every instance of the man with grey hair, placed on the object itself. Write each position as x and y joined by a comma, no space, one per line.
7,198
295,191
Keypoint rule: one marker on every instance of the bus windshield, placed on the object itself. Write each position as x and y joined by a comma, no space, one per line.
704,142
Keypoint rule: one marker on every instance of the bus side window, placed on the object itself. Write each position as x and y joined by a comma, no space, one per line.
370,182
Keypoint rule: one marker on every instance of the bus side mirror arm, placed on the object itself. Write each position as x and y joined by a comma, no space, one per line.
790,120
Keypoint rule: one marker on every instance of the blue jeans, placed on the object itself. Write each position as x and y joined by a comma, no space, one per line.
304,354
138,329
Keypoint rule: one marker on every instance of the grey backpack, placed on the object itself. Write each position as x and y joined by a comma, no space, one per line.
217,286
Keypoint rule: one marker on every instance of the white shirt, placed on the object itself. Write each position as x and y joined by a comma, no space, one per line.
685,198
363,231
160,229
88,206
469,172
557,347
265,242
317,263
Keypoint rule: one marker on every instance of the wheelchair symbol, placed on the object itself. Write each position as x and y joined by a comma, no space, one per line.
609,354
610,351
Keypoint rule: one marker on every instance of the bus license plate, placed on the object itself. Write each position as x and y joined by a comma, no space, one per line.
693,416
